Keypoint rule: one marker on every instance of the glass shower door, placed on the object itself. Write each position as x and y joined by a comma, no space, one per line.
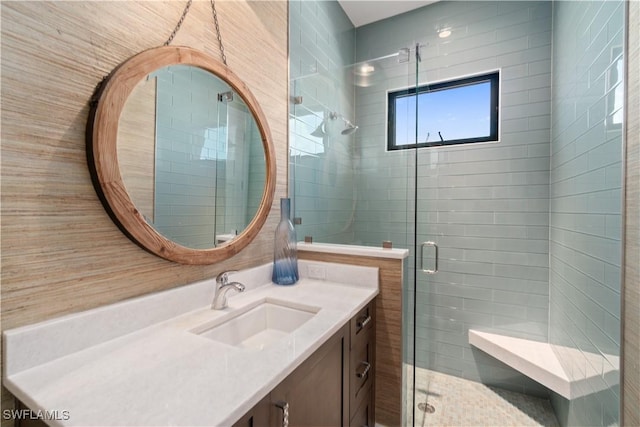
405,134
453,209
425,276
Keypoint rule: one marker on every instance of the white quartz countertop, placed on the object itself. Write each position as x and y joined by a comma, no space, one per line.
159,372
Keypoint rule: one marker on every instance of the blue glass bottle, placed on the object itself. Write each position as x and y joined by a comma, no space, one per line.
285,254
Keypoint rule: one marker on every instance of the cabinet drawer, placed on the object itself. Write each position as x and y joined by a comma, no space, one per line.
258,416
361,368
362,322
364,415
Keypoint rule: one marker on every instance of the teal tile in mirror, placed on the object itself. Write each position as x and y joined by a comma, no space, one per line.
191,156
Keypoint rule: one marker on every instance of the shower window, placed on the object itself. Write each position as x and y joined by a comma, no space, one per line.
447,113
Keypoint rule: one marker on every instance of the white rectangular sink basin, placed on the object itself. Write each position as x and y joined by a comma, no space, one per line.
257,326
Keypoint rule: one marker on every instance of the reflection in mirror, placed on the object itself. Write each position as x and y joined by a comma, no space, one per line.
191,156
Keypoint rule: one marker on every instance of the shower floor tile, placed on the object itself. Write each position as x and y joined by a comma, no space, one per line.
460,402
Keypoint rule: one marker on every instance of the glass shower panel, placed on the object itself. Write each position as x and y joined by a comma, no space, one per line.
322,166
321,155
385,208
382,176
411,385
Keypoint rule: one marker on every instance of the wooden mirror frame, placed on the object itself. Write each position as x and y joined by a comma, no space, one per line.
102,133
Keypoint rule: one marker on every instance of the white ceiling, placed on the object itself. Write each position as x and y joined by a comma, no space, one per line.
362,12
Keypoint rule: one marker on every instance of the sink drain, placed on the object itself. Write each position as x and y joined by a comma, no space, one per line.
427,408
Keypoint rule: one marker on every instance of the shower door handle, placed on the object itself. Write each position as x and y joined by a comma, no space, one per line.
435,267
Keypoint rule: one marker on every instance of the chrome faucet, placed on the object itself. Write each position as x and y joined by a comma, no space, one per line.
222,287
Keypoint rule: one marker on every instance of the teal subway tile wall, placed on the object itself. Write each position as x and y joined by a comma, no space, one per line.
485,205
586,203
528,227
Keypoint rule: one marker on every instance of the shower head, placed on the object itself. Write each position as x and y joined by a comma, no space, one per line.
351,128
322,131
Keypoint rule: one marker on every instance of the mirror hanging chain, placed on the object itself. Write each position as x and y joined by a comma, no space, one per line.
215,21
175,30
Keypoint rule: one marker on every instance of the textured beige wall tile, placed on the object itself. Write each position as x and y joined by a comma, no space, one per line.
61,253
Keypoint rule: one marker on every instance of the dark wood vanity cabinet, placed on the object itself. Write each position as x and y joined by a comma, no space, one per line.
333,387
361,366
315,392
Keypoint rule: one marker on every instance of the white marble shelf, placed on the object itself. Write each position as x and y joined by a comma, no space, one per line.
369,251
539,361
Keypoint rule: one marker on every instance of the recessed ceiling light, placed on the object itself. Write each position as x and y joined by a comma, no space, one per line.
366,69
444,32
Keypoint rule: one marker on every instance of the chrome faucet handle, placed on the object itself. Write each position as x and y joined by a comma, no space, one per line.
223,278
220,296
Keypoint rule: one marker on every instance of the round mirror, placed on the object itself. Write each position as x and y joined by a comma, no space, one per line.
181,155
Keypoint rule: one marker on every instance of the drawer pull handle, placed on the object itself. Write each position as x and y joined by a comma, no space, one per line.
285,412
362,322
365,371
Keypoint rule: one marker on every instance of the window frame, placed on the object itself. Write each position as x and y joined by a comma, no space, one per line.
493,77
